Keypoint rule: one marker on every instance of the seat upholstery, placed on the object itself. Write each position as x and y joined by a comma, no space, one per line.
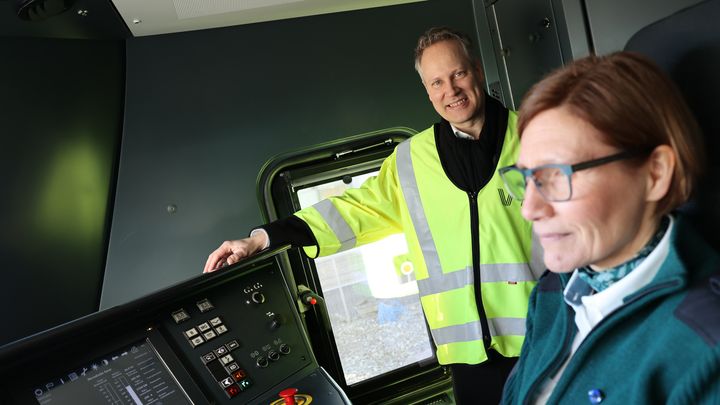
687,46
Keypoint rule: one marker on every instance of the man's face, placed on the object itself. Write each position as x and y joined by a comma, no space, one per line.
453,84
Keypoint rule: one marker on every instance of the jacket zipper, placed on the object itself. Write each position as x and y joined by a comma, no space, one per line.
474,226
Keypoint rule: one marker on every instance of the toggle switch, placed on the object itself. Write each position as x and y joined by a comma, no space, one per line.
274,321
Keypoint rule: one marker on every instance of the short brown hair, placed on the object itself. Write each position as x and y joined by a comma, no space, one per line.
633,104
439,34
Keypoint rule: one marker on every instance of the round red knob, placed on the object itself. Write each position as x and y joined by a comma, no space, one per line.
289,395
313,301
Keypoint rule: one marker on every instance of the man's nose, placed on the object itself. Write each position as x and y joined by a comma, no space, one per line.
454,88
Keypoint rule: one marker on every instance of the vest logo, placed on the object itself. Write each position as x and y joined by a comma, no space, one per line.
505,199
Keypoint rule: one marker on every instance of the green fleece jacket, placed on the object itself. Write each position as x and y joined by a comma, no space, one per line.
660,347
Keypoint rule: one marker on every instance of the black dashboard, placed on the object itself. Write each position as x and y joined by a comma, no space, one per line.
233,336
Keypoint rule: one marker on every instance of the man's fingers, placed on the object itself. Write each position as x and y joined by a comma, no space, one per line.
232,259
216,258
230,252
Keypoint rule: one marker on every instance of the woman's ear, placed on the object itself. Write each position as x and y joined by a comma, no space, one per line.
661,166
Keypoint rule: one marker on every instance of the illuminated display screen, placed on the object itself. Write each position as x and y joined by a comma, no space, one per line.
134,375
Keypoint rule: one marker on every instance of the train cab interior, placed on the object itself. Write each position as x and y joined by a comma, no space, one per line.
137,136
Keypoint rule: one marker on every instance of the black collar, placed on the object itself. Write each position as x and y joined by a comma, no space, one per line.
469,164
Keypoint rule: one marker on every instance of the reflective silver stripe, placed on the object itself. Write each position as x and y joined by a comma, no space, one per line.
508,272
537,263
473,331
408,183
446,282
337,223
507,326
458,333
491,273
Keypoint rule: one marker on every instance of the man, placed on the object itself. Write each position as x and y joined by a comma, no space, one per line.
470,248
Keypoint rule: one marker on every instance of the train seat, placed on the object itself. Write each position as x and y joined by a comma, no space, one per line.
687,46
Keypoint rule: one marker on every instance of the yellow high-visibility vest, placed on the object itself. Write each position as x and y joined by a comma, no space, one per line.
413,195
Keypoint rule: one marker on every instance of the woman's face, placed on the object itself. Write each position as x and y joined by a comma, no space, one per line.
608,219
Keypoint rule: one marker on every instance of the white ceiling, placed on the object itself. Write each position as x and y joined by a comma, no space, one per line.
151,17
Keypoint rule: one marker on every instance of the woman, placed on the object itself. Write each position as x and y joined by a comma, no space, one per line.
630,310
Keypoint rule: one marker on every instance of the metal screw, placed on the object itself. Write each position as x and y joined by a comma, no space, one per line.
82,13
171,209
545,23
136,21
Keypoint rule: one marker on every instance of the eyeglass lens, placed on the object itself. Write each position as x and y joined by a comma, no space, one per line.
552,183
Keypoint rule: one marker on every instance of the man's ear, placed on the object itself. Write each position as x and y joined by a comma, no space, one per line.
661,167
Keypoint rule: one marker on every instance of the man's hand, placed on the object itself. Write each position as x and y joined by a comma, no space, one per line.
232,251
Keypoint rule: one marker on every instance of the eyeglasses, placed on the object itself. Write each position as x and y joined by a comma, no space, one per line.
552,180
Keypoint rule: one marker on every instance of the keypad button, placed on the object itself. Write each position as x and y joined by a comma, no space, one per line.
221,329
226,382
197,341
227,359
245,384
239,375
204,327
208,357
221,351
210,335
204,305
191,333
180,315
215,321
232,367
232,345
232,390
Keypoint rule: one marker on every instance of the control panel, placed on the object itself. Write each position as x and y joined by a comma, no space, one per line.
233,336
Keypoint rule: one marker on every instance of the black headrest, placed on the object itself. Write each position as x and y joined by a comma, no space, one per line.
687,46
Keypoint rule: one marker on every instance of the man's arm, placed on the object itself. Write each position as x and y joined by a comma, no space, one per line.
371,212
291,230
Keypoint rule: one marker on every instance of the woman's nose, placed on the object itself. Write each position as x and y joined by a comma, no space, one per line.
534,205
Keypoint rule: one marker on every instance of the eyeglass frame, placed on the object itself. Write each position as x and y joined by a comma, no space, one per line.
567,170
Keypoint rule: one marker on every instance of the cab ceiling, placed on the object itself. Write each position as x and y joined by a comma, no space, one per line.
152,17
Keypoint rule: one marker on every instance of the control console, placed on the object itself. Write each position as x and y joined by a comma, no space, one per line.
233,336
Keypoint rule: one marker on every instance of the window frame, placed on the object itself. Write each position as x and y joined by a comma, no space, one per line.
278,183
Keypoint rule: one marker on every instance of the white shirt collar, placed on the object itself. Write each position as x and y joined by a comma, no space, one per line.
461,134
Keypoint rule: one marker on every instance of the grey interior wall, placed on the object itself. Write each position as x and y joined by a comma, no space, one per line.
60,126
205,110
